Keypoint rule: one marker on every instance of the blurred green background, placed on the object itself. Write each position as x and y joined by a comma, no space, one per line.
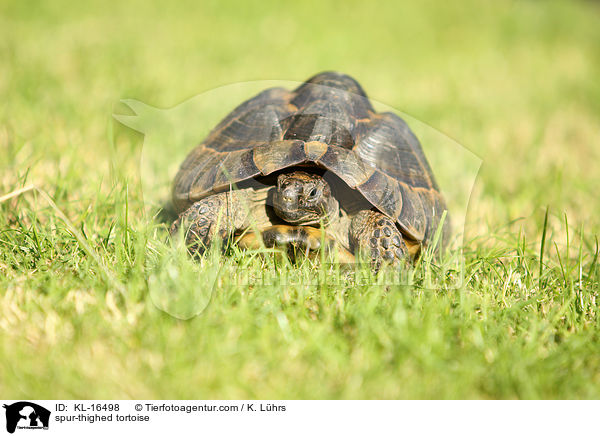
513,81
516,82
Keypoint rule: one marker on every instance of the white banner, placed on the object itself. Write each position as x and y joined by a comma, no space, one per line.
42,417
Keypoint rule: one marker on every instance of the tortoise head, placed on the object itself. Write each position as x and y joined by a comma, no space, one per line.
304,198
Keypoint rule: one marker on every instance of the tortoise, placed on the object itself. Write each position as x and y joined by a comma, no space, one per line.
303,162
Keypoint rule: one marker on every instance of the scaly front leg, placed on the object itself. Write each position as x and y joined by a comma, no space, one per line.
217,216
377,236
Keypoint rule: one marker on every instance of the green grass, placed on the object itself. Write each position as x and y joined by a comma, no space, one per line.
81,293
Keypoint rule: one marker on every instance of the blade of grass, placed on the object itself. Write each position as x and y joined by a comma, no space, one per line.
110,279
542,246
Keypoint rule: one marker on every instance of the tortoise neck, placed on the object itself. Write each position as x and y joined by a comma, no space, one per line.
333,212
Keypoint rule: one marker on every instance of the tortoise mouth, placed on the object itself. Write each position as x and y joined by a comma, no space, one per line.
292,214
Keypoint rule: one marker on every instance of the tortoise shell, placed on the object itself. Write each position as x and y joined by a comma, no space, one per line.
329,122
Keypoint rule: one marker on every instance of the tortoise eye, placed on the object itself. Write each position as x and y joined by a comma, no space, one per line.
313,192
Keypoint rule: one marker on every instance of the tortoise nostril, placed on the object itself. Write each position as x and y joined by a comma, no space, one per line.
288,197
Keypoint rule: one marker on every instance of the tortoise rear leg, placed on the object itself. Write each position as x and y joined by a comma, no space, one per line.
377,236
302,239
217,216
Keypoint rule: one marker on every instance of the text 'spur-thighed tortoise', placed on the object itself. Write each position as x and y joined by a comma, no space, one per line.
286,162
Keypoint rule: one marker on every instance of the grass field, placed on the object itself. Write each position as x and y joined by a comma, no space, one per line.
81,257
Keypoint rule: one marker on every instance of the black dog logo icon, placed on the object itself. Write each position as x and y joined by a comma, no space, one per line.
24,414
